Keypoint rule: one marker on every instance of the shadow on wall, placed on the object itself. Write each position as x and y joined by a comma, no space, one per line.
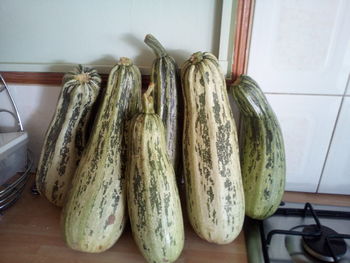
144,54
216,28
8,122
37,114
104,64
37,103
145,57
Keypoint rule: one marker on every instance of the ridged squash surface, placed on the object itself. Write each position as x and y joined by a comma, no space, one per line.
95,212
166,98
153,198
66,135
214,191
263,155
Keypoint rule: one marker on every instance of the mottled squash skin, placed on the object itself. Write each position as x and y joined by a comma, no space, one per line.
263,155
95,212
66,136
214,190
153,198
167,100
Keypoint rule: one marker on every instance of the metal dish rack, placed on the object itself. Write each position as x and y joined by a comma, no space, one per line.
12,191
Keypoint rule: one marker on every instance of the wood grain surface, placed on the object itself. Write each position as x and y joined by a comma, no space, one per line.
324,199
55,78
244,20
50,78
30,232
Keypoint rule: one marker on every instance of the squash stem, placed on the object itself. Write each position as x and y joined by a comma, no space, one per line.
155,45
196,57
147,100
82,78
125,61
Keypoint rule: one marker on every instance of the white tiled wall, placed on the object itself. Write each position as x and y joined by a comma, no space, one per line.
336,175
307,123
300,56
299,46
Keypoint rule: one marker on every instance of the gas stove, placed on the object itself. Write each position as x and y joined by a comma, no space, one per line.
300,233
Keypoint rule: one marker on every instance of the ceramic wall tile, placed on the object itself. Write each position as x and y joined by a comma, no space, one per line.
336,174
307,123
301,46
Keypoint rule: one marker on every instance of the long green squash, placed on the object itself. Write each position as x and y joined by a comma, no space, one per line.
263,156
165,78
66,136
214,191
153,198
95,213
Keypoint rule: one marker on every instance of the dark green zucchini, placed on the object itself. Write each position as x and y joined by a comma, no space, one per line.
262,152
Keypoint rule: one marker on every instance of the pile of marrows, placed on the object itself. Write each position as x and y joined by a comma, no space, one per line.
127,164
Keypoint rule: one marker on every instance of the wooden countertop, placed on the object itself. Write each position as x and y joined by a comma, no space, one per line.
30,233
325,199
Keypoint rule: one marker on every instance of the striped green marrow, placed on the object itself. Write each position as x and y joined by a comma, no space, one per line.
214,191
165,78
263,156
153,198
67,134
94,215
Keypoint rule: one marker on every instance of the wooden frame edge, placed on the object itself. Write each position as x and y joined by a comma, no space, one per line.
244,20
40,78
55,78
49,78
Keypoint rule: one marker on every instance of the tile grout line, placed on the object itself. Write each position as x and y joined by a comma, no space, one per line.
306,94
333,133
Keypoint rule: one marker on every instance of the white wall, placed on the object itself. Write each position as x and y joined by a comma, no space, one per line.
40,35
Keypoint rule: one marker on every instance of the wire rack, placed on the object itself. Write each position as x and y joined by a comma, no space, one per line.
12,190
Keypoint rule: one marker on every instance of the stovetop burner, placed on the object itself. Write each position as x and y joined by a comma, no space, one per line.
323,247
295,234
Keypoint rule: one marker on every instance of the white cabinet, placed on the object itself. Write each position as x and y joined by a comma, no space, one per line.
307,127
336,174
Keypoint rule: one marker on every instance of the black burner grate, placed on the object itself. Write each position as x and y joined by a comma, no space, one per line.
322,247
319,241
